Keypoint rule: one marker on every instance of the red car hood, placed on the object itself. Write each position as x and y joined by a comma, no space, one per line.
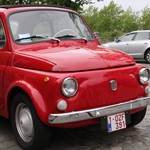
71,59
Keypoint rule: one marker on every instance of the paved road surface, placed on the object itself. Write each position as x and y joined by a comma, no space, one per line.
89,138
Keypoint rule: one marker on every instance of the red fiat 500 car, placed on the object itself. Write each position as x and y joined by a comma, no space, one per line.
54,73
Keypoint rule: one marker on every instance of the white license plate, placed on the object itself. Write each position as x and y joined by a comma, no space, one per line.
116,122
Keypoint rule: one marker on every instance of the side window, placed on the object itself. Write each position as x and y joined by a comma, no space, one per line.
2,35
142,36
127,37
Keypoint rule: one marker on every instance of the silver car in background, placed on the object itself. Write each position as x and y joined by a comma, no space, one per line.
136,44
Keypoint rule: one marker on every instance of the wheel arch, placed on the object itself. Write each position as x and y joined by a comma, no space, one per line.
12,93
30,132
148,49
35,97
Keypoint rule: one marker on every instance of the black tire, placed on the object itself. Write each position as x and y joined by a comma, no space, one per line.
147,56
29,131
137,117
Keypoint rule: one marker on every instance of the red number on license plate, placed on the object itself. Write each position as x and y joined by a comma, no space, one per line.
116,122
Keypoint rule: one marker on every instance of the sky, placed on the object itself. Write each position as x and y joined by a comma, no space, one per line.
136,5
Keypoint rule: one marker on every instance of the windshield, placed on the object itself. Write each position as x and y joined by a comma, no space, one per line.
39,25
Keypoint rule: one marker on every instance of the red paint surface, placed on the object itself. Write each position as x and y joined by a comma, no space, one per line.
26,65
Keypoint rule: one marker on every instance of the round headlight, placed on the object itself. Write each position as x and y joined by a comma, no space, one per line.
69,87
144,75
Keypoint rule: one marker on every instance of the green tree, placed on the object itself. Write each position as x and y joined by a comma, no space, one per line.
109,17
129,21
91,15
106,21
145,19
112,21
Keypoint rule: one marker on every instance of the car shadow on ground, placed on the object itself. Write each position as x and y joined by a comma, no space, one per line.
91,138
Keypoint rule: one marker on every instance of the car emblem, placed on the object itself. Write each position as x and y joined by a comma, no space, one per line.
113,85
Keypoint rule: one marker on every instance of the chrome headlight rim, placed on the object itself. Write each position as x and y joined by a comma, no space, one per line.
63,89
141,72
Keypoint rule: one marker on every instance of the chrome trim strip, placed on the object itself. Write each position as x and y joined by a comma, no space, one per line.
98,112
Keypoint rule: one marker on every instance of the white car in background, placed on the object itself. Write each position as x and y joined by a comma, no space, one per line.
136,44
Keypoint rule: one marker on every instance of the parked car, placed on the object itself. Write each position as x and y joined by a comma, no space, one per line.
136,44
54,73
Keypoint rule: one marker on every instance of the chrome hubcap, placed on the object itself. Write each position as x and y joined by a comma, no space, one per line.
24,122
148,57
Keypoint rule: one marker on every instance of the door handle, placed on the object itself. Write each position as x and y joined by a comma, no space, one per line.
145,43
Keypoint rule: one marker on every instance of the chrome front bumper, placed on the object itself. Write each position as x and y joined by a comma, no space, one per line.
98,112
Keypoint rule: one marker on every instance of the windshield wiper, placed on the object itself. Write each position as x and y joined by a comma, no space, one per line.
66,36
71,35
39,36
31,37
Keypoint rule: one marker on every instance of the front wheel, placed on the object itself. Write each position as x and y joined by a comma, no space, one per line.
29,131
147,56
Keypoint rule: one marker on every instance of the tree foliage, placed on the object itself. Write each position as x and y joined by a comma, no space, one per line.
145,19
112,21
129,21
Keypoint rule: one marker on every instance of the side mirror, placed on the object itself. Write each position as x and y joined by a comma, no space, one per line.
97,35
117,40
